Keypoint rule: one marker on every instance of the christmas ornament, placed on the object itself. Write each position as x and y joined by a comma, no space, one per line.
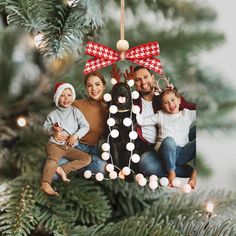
143,55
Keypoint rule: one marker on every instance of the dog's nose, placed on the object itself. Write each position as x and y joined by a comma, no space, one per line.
123,90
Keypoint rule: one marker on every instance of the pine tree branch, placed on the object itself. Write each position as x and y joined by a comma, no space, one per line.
23,14
19,213
129,198
63,29
93,16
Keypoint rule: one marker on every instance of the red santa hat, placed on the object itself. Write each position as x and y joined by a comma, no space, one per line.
59,87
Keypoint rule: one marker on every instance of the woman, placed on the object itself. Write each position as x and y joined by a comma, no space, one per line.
95,112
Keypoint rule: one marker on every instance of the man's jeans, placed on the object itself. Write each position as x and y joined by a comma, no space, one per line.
97,164
152,163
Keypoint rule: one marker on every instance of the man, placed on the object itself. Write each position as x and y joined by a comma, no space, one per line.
149,104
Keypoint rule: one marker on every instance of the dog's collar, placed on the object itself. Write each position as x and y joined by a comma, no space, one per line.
123,110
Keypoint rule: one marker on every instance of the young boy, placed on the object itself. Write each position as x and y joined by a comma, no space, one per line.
173,125
71,122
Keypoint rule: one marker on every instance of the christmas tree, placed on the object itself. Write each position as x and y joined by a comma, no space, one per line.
42,42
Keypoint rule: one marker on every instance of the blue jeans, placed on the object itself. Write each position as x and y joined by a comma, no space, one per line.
152,163
174,155
97,164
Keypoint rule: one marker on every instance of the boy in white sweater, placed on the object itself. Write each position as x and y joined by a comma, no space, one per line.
173,126
72,123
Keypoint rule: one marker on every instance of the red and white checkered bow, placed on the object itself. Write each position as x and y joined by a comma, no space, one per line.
104,56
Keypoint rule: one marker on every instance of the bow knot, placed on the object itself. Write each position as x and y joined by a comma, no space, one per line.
104,56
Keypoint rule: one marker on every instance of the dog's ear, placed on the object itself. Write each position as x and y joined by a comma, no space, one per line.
115,73
129,74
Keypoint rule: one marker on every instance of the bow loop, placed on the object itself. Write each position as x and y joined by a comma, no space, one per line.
143,51
100,51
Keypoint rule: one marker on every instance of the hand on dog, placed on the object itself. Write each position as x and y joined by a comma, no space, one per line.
72,140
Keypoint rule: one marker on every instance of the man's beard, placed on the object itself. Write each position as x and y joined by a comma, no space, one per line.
144,93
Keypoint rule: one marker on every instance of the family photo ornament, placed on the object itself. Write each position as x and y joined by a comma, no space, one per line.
119,148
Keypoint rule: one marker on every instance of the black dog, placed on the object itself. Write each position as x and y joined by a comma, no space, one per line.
121,97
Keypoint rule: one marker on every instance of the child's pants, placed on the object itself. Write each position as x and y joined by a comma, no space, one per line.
78,159
174,155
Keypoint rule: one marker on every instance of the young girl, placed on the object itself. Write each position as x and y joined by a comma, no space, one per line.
70,121
173,125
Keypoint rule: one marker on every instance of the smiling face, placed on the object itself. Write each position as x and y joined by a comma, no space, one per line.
95,87
144,81
170,102
66,98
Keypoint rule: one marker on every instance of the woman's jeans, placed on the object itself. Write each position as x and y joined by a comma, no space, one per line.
97,164
153,163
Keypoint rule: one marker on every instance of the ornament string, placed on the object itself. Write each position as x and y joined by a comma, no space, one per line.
122,19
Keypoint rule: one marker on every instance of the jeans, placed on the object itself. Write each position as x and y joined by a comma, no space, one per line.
152,163
97,164
174,155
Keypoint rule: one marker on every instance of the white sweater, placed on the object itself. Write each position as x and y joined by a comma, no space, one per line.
72,121
176,126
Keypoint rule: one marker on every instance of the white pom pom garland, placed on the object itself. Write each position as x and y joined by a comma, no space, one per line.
135,109
142,182
139,176
87,174
107,97
130,82
164,181
133,135
99,176
109,167
153,184
113,175
105,147
135,158
153,178
114,133
105,156
130,146
113,109
127,122
135,94
111,121
126,170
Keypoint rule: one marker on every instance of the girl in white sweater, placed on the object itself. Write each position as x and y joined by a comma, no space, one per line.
173,126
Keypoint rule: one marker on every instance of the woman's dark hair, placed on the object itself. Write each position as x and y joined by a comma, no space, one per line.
95,73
